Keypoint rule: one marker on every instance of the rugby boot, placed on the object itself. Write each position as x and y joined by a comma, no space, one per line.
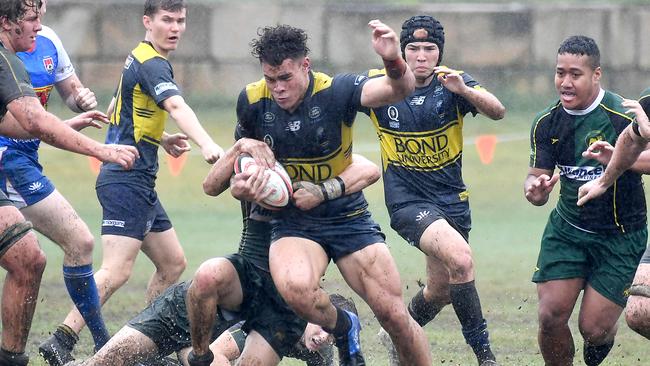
57,349
489,363
349,345
384,338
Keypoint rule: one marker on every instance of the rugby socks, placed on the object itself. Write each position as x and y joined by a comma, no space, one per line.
467,305
342,326
12,358
594,355
83,291
422,311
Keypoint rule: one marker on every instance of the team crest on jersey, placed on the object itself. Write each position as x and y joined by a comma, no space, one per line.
268,117
594,136
393,116
48,63
269,140
437,91
315,112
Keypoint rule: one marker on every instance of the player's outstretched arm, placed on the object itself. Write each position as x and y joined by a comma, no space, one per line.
358,175
399,81
485,102
189,124
77,97
46,126
538,185
603,151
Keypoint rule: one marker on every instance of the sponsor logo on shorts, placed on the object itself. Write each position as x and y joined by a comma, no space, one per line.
115,223
163,87
35,186
581,173
422,215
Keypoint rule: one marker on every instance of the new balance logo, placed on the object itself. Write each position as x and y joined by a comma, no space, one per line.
419,100
35,186
422,215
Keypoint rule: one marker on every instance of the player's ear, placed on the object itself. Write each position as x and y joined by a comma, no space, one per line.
306,63
146,20
598,72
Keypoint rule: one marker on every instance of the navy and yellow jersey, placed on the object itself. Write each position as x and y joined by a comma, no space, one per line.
138,118
314,142
421,140
558,138
256,234
14,80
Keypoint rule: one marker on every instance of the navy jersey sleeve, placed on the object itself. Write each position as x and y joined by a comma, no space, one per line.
349,87
157,79
541,150
14,80
245,117
465,106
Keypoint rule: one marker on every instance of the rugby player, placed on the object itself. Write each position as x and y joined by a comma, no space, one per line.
133,217
306,118
630,153
23,181
421,142
22,116
162,329
593,248
241,282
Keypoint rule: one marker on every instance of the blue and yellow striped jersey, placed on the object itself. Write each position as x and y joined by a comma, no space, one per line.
421,140
138,118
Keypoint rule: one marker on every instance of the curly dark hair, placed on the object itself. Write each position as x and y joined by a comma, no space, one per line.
14,10
151,7
581,45
276,44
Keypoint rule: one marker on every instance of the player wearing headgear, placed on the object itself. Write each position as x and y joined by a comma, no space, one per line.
594,248
421,144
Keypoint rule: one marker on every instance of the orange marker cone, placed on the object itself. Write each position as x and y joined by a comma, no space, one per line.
176,164
95,164
485,145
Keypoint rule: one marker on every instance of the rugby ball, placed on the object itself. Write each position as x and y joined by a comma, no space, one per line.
279,183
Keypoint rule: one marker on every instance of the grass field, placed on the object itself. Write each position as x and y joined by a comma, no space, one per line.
505,240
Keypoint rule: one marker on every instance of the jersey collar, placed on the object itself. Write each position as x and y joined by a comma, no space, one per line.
582,112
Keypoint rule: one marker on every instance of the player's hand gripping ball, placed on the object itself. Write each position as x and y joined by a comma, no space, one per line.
279,183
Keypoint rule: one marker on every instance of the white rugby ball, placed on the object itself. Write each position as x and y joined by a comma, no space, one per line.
279,183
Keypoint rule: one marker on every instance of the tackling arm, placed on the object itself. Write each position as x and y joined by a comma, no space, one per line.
189,124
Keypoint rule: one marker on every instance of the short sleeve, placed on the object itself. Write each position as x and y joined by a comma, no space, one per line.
541,150
245,117
157,79
64,68
348,88
14,80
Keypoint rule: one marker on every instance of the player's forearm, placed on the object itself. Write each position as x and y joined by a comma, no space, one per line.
384,90
360,174
629,147
218,178
10,127
47,127
642,163
189,124
485,102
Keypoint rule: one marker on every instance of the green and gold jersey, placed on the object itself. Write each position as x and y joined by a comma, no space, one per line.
138,118
314,142
558,138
